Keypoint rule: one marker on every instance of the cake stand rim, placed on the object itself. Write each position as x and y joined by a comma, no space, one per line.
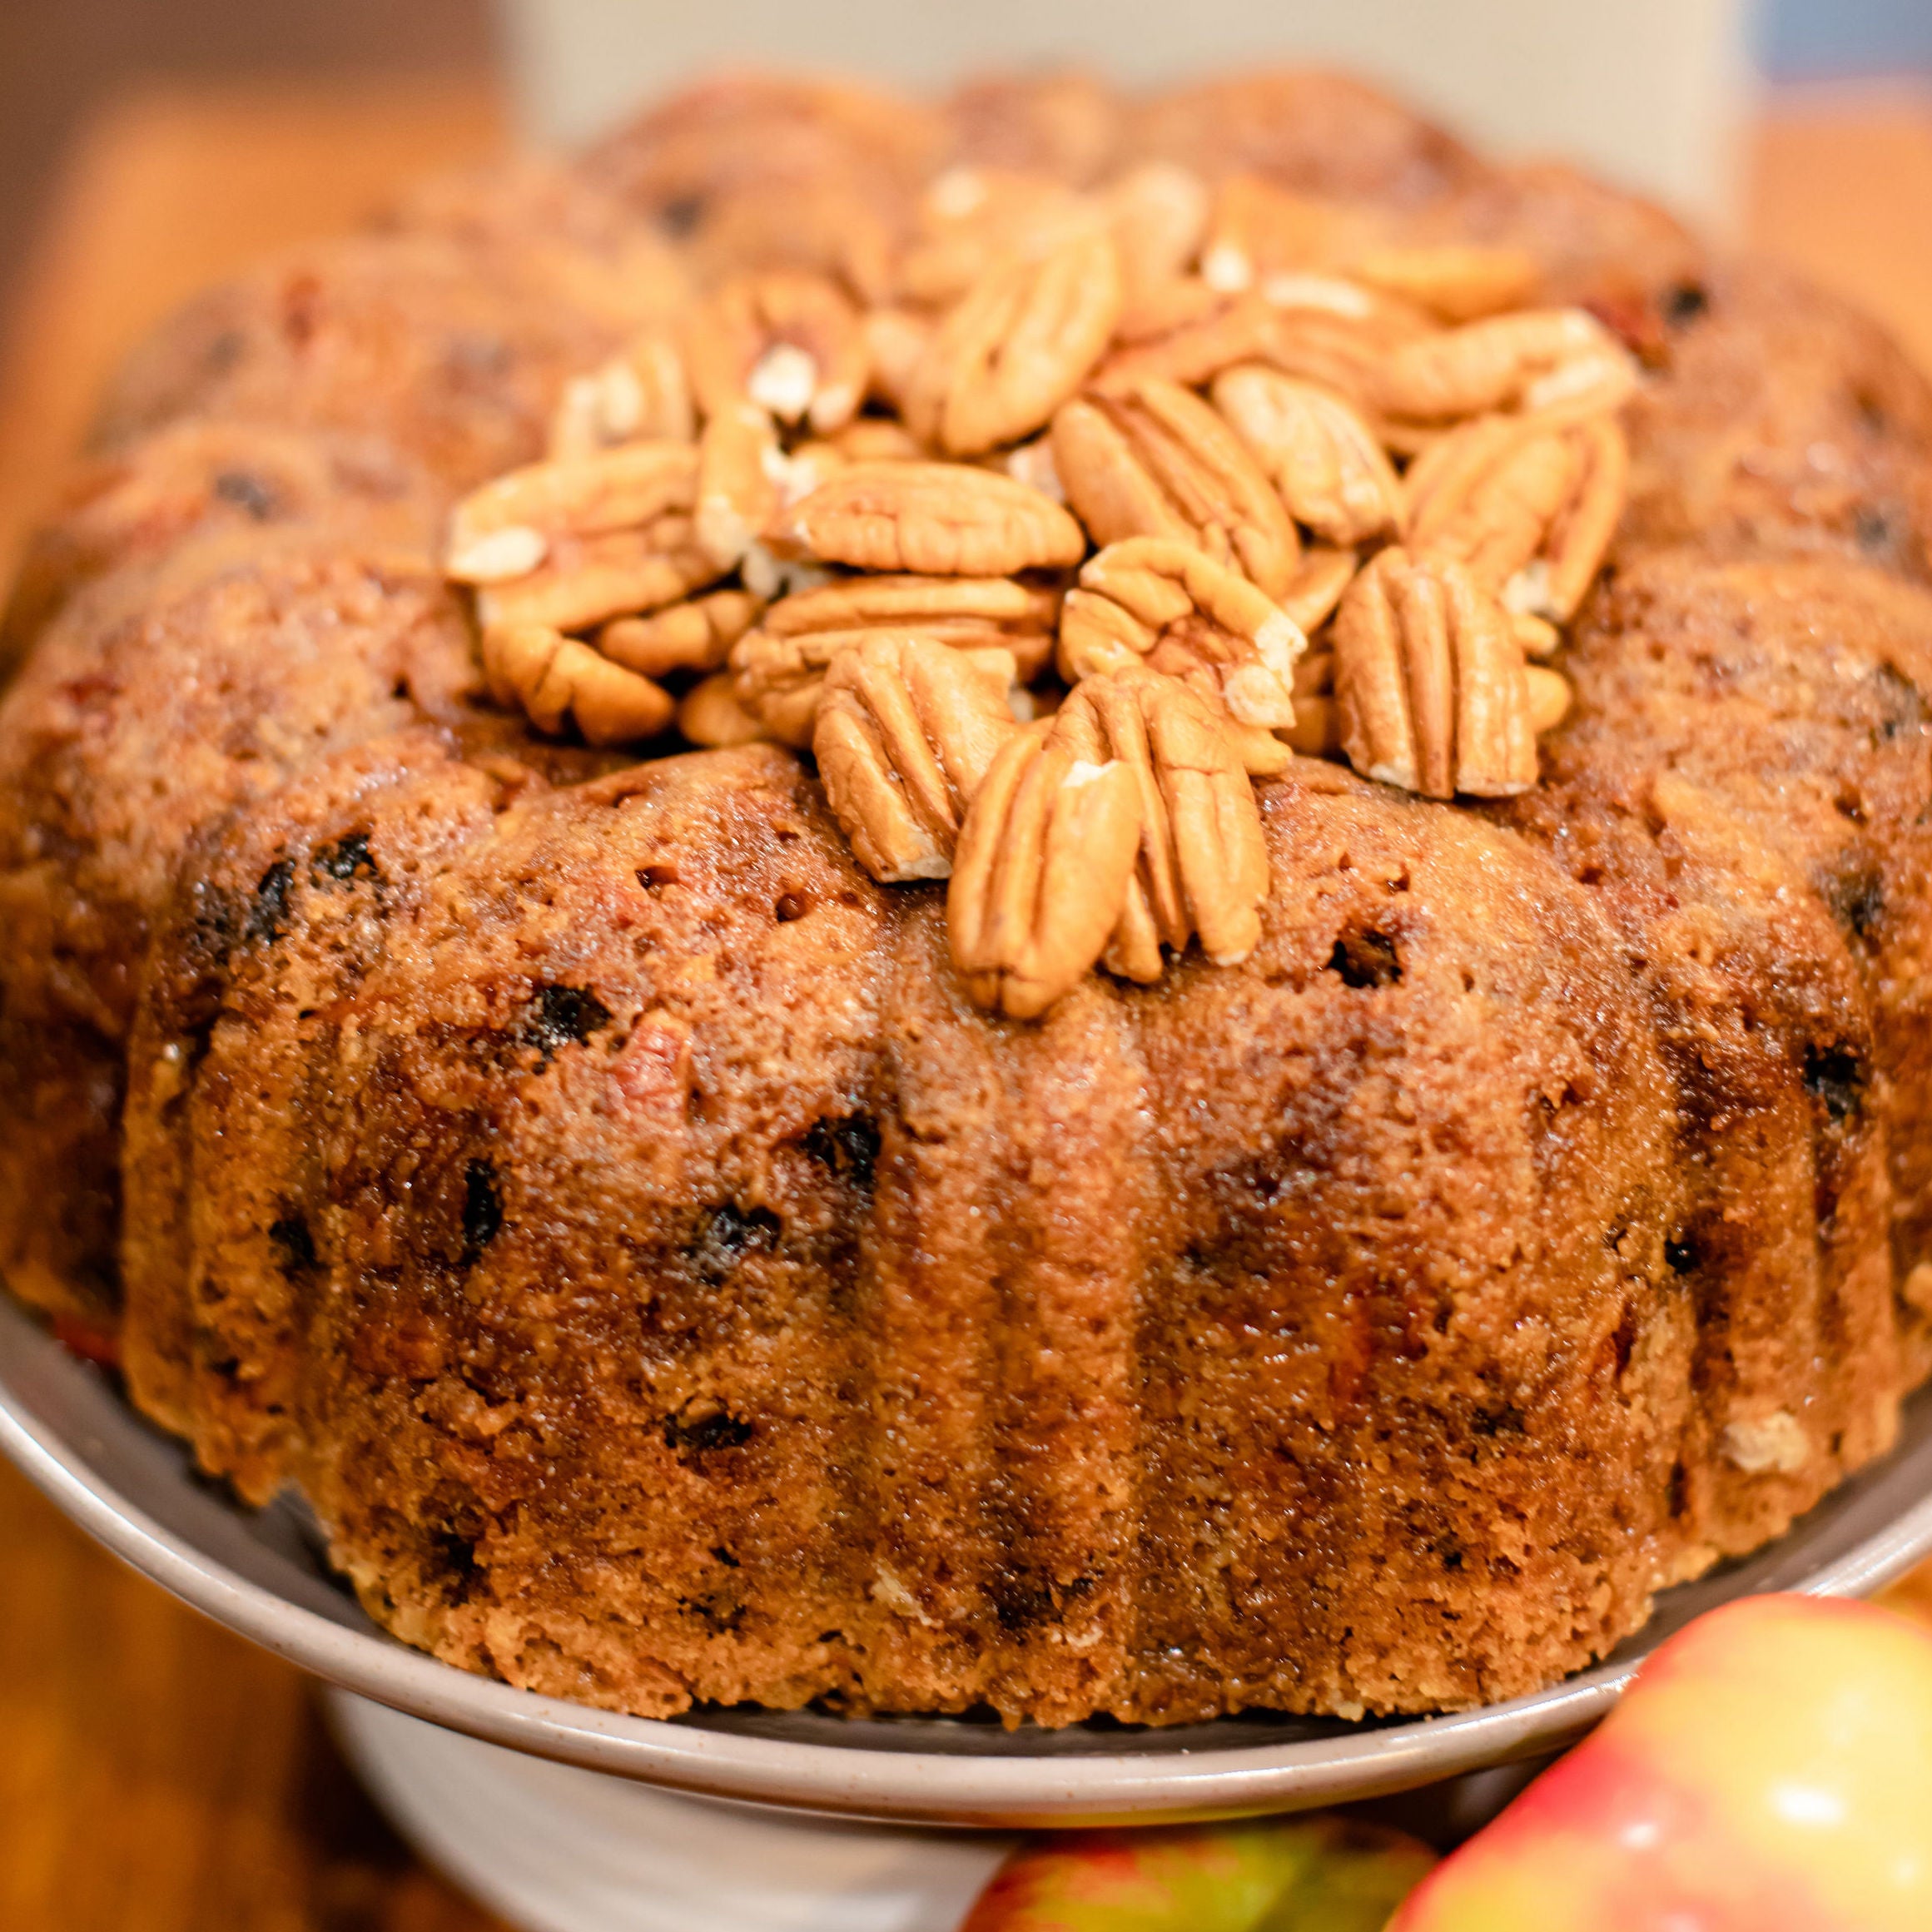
893,1785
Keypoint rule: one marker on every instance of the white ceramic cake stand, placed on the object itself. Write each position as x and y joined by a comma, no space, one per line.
562,1852
553,1849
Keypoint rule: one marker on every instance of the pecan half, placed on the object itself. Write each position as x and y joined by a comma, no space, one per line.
1155,460
1159,212
1260,229
1328,330
1529,505
1018,345
1032,464
1317,730
559,681
694,636
1320,454
1381,320
1159,311
1321,348
1040,875
1311,598
869,440
1539,637
1430,683
638,396
1168,604
506,529
588,580
709,714
780,681
906,730
1455,281
1550,697
1321,327
739,464
959,611
1537,360
971,219
1188,335
1203,865
1553,584
942,519
896,340
787,339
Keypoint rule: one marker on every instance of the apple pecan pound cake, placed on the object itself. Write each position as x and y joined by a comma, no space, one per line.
1082,904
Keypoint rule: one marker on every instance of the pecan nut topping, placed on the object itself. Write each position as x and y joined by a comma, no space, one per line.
1166,602
779,681
1455,281
971,219
787,341
867,440
1046,857
1260,229
1322,328
870,420
559,681
1550,697
710,715
1155,460
586,581
1320,454
1552,584
505,529
781,667
780,672
739,463
573,542
1529,506
1019,343
1317,730
1311,598
697,635
1535,361
939,519
1203,865
960,611
906,730
1322,347
896,340
1156,313
640,395
1187,335
1430,682
1159,212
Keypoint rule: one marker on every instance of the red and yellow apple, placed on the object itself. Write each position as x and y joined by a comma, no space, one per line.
1296,1874
1770,1770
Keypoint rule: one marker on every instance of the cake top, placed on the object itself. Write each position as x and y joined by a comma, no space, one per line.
1052,525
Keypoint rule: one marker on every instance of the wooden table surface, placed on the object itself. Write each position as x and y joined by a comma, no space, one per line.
156,1774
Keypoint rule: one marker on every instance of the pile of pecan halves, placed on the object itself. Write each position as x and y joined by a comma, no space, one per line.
1047,558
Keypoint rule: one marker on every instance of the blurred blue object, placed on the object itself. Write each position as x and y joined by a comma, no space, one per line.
1805,40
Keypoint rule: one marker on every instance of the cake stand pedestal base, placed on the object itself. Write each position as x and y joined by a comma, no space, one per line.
553,1848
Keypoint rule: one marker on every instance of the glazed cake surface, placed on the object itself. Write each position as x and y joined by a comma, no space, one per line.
604,1200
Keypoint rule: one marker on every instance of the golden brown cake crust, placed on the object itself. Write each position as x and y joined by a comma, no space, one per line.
604,1201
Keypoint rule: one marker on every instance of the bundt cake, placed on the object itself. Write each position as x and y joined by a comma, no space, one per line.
1276,1054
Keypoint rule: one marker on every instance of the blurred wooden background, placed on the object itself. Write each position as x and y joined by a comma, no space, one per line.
59,62
156,1775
